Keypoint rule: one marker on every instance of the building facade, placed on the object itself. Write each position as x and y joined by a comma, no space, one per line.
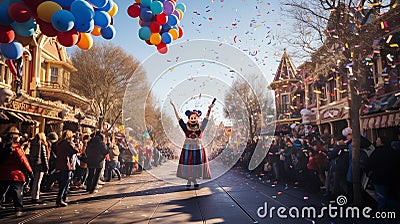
35,90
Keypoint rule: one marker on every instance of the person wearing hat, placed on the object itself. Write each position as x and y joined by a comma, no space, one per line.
193,161
13,169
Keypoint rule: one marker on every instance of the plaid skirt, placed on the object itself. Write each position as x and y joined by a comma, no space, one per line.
193,162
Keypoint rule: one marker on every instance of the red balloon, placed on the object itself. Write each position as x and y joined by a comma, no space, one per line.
162,18
148,42
68,39
46,28
180,32
19,12
134,10
33,4
7,34
155,27
162,48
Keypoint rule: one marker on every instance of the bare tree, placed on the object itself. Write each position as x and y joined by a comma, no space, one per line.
338,25
248,102
157,124
103,73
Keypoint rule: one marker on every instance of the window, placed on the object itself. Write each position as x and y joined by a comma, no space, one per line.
332,89
54,75
285,104
4,74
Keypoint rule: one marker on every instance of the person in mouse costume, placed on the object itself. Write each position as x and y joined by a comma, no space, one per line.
193,161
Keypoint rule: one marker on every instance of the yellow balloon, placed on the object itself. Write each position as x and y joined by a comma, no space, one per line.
113,11
174,33
180,13
47,9
85,41
96,31
155,38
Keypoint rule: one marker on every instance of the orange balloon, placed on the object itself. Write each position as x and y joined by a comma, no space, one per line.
85,41
96,31
113,11
174,33
155,38
137,1
180,13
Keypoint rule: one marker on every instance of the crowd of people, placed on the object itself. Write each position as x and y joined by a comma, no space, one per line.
323,163
69,162
86,161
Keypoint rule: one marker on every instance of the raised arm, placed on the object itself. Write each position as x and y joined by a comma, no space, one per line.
175,111
209,110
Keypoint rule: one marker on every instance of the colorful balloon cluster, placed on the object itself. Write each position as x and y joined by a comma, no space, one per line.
71,21
159,21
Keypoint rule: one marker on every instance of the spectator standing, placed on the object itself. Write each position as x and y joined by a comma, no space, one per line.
39,163
96,152
13,166
66,150
112,165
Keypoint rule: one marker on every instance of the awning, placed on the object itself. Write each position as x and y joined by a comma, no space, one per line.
383,120
20,117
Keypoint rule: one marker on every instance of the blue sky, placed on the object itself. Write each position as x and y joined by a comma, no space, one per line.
250,25
253,26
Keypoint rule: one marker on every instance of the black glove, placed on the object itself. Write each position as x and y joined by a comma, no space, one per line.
30,175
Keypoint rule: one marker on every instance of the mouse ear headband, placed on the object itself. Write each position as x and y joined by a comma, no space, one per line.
197,112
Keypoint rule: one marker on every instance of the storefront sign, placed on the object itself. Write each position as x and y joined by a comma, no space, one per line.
25,107
330,113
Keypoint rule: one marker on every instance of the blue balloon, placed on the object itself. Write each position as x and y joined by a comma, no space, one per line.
156,7
145,3
82,11
181,6
63,20
107,7
145,23
144,33
166,38
25,29
64,3
12,50
165,28
5,19
108,33
172,20
98,3
86,27
101,19
146,14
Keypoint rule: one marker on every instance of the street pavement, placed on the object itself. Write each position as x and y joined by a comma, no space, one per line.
234,197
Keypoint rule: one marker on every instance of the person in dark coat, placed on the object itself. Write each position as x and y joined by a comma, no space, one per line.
66,150
13,166
96,152
381,164
52,175
39,162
